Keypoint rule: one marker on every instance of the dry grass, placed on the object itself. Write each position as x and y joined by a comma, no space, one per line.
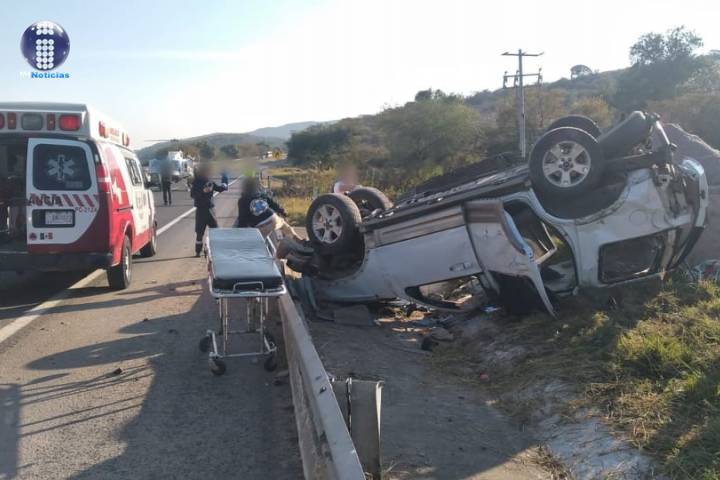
295,207
295,189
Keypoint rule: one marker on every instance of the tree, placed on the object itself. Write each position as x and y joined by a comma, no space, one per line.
230,151
431,135
661,65
205,150
676,44
580,71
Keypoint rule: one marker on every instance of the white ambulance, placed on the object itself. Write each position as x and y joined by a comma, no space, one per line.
72,193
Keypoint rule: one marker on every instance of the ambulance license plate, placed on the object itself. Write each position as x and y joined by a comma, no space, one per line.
63,217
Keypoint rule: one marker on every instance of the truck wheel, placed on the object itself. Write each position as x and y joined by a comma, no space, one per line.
369,199
333,222
150,249
577,121
566,162
120,275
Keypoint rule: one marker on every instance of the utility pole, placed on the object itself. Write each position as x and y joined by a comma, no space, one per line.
519,84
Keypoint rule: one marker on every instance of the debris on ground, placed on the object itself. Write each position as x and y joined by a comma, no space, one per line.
709,270
116,372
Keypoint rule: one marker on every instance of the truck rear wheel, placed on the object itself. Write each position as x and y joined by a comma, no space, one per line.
566,162
120,276
333,222
369,199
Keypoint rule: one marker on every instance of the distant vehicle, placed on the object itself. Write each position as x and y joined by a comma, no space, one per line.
590,209
79,189
180,167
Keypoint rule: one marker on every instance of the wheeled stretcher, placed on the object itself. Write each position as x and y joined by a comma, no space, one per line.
241,267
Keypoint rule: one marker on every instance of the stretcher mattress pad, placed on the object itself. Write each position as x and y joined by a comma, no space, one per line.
241,256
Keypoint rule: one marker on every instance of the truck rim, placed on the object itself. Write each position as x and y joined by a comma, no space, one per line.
327,224
566,164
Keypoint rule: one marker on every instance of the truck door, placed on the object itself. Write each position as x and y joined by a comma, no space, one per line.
62,194
500,247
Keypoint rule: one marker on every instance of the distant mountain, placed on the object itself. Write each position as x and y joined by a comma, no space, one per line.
284,131
273,136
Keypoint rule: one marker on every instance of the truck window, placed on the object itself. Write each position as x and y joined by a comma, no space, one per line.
60,167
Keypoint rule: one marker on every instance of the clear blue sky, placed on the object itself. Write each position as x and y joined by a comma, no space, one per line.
172,69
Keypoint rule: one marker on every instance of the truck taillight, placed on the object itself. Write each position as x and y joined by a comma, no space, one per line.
50,121
69,122
103,178
12,121
2,120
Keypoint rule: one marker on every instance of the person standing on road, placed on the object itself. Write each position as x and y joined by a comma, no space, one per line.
202,194
166,181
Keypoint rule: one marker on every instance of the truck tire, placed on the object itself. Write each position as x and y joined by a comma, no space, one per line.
369,199
566,162
333,222
150,249
577,121
120,276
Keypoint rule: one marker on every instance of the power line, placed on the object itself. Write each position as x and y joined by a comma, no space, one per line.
518,83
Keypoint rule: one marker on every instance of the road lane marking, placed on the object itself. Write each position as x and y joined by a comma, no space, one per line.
34,313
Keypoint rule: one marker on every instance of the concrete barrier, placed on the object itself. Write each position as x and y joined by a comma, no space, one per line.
326,448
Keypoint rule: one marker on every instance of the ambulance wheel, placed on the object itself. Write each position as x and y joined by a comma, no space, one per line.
204,344
270,364
120,275
150,249
217,367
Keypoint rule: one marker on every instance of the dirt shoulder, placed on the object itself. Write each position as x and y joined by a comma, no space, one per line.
433,426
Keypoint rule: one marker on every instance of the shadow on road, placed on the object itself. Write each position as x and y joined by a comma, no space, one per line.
188,423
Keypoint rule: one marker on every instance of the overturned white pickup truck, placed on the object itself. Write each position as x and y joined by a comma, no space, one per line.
590,209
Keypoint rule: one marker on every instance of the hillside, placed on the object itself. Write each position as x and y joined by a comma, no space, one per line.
284,131
272,136
213,139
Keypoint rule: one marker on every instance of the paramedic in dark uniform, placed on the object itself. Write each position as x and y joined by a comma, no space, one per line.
202,193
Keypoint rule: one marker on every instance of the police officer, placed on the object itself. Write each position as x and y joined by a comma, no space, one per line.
202,193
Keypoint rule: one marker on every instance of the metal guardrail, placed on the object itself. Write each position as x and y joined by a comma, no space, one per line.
326,448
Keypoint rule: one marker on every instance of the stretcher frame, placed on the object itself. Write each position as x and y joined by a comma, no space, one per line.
254,293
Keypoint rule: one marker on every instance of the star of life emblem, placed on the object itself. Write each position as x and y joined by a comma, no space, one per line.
61,168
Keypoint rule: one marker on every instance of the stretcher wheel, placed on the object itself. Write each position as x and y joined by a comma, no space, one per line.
217,367
270,363
204,344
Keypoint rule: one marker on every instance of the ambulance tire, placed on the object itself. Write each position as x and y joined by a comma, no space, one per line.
120,276
150,249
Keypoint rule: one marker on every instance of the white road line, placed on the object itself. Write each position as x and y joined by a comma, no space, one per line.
34,313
